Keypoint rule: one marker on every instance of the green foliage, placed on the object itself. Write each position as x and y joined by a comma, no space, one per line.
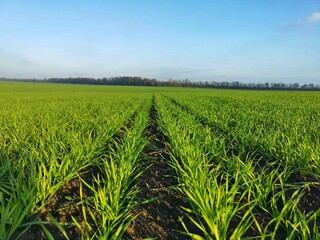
234,153
48,138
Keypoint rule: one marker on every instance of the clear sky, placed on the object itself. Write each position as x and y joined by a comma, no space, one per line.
201,40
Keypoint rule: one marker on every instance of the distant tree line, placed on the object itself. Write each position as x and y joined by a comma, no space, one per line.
139,81
125,80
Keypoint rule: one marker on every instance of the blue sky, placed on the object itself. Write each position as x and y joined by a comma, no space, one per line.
232,40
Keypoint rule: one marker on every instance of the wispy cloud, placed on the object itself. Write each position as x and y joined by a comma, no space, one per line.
311,19
314,17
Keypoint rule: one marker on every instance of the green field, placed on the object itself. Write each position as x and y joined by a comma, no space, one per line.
75,161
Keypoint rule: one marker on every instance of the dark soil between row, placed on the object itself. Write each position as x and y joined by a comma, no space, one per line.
159,218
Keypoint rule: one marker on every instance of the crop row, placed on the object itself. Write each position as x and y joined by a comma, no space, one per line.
275,130
248,168
46,142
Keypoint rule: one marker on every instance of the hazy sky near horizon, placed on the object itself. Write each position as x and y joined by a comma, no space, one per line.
205,40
